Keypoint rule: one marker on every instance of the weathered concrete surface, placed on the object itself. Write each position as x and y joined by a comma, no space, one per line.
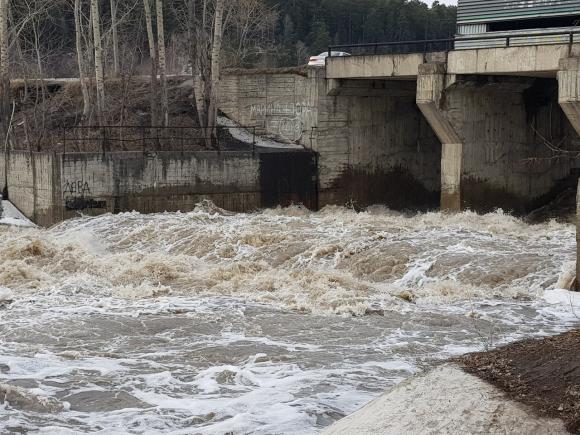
30,177
373,145
569,89
49,188
281,106
363,88
156,182
507,126
397,66
375,149
374,66
531,61
445,401
494,133
451,161
431,84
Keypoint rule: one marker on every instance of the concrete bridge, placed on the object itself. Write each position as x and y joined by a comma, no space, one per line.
437,74
480,128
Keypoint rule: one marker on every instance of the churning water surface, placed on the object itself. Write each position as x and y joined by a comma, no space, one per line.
276,322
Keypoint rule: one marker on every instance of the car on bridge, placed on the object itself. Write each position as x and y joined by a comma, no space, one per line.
320,60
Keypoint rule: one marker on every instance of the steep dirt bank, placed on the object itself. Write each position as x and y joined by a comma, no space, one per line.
544,374
42,112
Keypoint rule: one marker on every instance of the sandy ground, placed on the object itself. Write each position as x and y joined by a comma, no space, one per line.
445,401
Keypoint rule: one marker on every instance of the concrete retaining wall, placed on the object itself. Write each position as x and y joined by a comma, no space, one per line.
372,142
376,150
49,188
504,124
375,146
30,182
281,106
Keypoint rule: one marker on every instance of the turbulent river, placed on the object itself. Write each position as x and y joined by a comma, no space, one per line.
277,322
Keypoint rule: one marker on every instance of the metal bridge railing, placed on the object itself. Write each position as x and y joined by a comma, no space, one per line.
109,138
448,44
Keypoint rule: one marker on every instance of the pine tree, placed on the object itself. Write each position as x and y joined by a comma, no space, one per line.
319,37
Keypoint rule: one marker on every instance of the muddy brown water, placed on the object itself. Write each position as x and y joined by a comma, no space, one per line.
280,321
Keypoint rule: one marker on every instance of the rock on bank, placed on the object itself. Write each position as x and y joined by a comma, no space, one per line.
445,401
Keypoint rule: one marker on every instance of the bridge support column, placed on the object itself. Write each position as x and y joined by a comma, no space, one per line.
569,99
569,90
432,80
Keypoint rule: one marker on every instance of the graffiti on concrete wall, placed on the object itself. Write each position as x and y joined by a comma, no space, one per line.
76,188
288,121
77,196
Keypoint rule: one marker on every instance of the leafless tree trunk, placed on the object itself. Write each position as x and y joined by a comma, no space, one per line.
80,61
40,82
153,56
197,44
5,96
99,75
162,61
115,37
215,66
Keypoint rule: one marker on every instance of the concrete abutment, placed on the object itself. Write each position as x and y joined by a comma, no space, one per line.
469,141
48,188
569,100
432,80
435,139
497,135
569,90
373,144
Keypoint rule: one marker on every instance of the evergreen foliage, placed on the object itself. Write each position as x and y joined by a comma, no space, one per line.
315,23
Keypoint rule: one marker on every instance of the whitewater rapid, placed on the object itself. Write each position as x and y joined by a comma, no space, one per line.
280,321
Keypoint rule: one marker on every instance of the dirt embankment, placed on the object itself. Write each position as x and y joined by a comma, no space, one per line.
544,374
42,111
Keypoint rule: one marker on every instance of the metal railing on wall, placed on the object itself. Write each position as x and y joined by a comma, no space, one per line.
448,44
112,138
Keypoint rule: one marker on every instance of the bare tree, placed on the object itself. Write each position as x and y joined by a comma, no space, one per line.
249,31
162,62
80,60
153,56
215,66
99,74
5,94
205,40
115,34
198,53
220,32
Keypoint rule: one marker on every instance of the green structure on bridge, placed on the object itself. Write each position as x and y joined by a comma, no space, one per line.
521,19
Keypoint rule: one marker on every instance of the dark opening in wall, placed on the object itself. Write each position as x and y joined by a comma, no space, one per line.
535,23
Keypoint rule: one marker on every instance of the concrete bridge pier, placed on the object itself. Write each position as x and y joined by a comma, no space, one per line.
569,90
569,99
432,80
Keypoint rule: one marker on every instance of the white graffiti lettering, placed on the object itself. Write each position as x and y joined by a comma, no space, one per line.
287,121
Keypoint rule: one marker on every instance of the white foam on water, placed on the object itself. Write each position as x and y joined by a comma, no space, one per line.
279,321
6,295
563,297
11,216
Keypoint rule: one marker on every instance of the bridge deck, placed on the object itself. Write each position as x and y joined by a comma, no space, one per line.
531,61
